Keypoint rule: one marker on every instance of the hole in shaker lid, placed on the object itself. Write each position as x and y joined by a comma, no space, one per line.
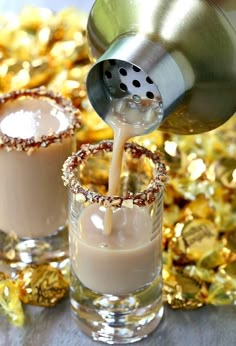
136,69
123,87
136,83
108,74
150,95
123,72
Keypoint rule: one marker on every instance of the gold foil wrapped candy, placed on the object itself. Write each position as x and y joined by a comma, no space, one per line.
200,208
230,241
184,292
199,273
223,289
10,303
197,237
214,257
41,285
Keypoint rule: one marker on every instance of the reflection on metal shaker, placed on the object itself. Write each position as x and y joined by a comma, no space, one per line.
172,63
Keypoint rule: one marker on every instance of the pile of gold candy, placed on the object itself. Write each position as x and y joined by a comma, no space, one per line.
39,47
200,217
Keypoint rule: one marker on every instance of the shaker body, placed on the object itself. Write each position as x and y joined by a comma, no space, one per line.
186,47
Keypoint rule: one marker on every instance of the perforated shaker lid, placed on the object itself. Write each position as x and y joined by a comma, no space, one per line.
124,89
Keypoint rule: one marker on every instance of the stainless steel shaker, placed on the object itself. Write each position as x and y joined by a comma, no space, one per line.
172,61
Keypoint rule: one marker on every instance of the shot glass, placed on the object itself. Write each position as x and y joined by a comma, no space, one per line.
116,278
37,134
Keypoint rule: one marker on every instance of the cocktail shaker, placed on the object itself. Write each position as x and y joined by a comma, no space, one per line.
171,63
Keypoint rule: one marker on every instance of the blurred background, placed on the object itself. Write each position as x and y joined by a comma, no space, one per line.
16,5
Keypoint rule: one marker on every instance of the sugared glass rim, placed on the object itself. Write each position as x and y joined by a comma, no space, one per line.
143,198
20,144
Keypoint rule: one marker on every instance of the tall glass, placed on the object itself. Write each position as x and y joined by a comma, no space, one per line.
116,281
37,134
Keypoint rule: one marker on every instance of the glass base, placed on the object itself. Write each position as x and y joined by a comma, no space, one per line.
20,251
117,319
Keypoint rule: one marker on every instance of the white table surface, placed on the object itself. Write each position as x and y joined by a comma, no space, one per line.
207,326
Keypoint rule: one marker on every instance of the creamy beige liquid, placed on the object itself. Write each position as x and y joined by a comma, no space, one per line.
33,200
120,263
113,252
122,133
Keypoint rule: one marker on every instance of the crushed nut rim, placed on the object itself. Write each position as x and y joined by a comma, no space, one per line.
141,199
20,144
